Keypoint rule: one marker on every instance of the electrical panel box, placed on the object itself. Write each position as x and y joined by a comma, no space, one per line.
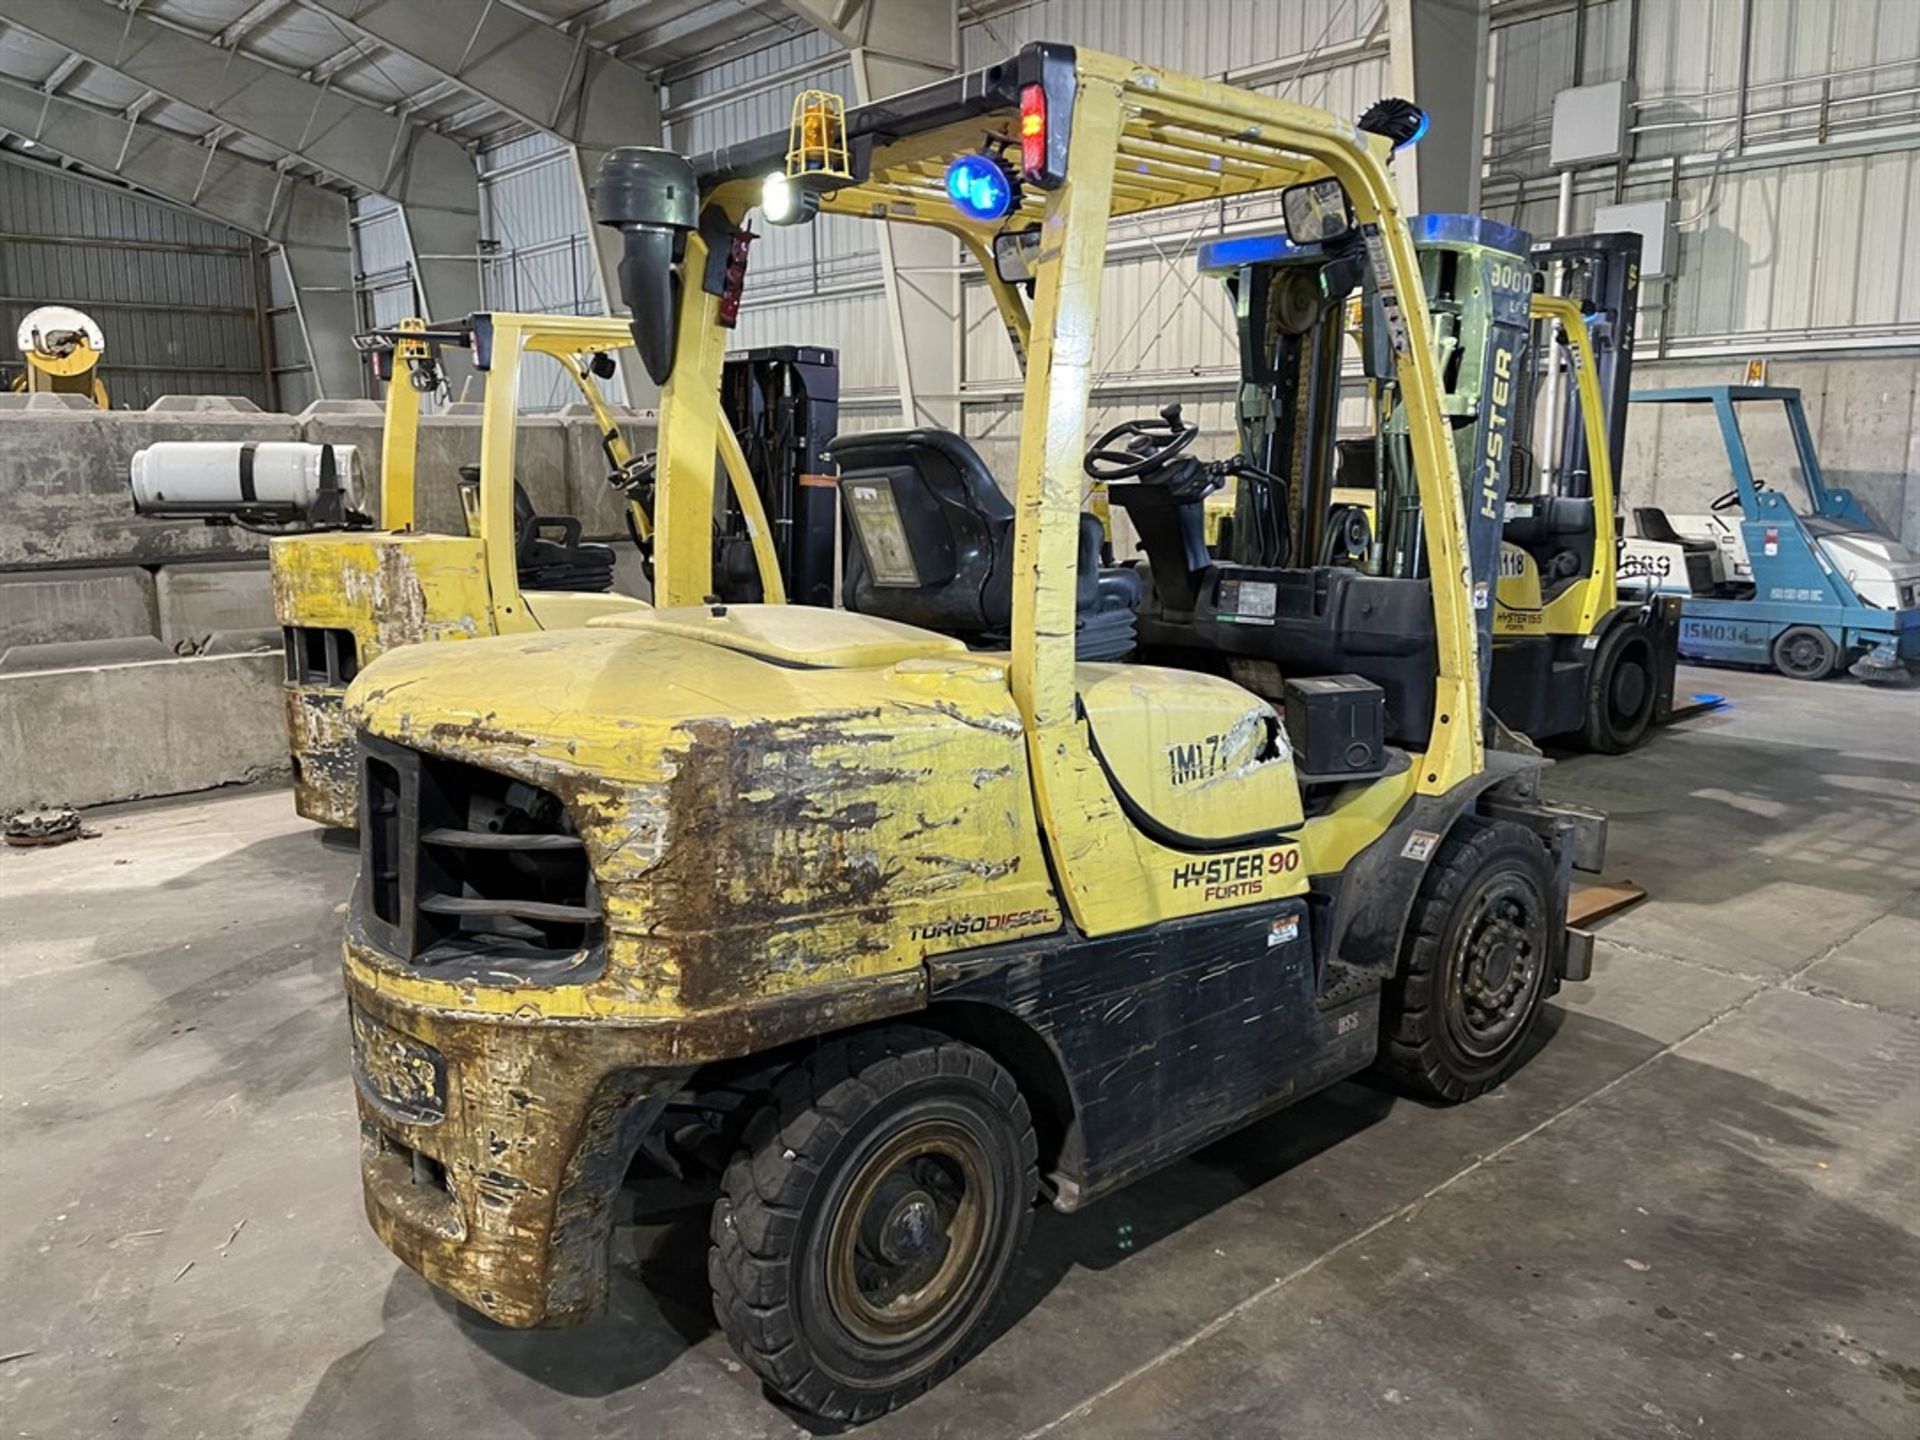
1590,124
1651,220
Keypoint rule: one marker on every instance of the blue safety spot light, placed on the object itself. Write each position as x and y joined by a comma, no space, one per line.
1419,133
979,187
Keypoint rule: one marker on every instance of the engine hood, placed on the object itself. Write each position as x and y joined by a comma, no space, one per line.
766,802
608,700
1882,571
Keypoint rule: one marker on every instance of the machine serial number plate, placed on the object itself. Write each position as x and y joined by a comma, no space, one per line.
1247,602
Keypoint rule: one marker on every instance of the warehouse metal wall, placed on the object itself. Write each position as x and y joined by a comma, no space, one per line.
535,255
177,297
1786,131
815,284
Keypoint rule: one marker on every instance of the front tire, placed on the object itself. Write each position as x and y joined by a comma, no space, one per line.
867,1225
1473,974
1805,652
1622,686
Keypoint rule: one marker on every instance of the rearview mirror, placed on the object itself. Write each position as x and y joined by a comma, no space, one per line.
1013,256
1316,212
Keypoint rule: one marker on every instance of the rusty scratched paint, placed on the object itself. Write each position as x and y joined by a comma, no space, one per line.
540,1122
387,591
776,852
326,773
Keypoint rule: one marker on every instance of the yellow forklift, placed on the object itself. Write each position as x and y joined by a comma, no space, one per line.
1567,656
1572,657
893,920
345,592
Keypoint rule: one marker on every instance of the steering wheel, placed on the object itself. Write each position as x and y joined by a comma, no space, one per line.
1731,500
1155,444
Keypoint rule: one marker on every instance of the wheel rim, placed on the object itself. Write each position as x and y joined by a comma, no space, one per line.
1498,964
1804,653
909,1238
1630,689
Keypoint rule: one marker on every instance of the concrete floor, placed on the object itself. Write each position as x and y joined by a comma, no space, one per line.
1695,1213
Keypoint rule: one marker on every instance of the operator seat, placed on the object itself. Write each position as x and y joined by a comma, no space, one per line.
1698,555
929,542
548,551
1558,534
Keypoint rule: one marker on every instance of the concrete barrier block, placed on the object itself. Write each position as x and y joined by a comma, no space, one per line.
56,400
40,607
196,600
203,405
265,639
93,735
64,496
66,654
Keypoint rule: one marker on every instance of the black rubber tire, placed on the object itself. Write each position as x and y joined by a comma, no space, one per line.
1421,1044
773,1222
1805,652
1622,686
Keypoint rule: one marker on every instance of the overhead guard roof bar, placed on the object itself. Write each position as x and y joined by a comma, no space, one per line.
1170,153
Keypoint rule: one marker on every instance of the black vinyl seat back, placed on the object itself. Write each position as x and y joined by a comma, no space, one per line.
548,551
1697,555
929,533
929,542
1558,533
1654,525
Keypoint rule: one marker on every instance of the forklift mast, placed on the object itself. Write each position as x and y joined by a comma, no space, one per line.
1602,273
783,401
1288,301
1478,281
1289,308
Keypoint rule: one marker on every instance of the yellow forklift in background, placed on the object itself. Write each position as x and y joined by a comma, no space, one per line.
1567,657
1572,657
345,592
1000,885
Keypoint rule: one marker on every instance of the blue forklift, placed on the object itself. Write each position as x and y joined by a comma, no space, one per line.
1806,593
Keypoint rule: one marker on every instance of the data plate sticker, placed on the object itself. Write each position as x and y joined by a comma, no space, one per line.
1420,845
1248,602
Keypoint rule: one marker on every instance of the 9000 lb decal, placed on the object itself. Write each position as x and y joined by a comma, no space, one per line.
1236,877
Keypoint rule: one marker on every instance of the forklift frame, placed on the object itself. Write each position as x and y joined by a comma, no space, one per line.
788,827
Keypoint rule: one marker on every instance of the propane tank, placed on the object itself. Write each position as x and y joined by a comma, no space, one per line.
279,479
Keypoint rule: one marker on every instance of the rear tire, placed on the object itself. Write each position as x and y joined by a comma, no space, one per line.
866,1227
1805,652
1622,686
1455,1019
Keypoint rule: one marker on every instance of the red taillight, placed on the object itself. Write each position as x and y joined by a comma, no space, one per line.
1033,131
735,281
